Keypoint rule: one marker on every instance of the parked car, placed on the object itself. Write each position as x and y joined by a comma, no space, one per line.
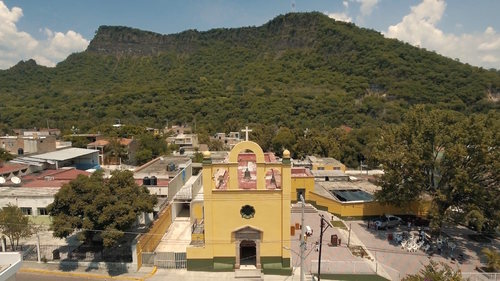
387,221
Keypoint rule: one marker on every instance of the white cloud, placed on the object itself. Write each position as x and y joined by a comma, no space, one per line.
419,28
367,6
16,45
346,4
339,17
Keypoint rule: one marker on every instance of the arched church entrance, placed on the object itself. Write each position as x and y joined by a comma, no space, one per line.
247,241
248,253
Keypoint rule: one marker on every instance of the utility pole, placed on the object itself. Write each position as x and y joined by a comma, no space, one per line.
302,241
349,238
322,224
39,259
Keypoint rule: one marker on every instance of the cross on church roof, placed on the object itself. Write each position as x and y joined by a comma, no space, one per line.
246,130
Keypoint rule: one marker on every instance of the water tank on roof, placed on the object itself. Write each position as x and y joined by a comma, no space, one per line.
171,167
153,180
146,181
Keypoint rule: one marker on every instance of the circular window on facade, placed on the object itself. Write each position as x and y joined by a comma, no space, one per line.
247,212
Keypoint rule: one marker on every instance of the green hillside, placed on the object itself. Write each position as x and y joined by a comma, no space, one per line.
298,70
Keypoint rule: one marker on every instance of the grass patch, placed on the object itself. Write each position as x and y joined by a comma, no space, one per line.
339,224
358,251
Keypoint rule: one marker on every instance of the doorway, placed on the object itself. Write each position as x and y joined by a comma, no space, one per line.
248,253
301,191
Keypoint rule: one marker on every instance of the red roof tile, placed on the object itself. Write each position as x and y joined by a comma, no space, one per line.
9,168
46,183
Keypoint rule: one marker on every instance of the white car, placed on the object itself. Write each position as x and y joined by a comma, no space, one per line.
387,221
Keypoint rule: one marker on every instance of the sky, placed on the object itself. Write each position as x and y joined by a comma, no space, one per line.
48,31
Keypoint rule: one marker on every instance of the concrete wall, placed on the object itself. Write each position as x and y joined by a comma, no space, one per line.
15,262
179,180
33,202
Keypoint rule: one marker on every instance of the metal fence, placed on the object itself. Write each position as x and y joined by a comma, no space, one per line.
120,253
165,259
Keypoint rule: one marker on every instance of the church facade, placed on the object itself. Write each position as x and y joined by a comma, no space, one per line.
244,217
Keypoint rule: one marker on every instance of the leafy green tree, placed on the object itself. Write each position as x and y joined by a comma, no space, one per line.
436,272
215,145
449,157
14,224
5,155
492,259
409,154
284,139
95,205
143,156
469,177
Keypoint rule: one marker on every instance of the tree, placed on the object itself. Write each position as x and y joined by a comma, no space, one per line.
452,158
436,272
115,149
284,139
96,205
14,224
5,155
493,259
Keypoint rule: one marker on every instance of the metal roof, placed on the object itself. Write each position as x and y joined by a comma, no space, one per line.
65,154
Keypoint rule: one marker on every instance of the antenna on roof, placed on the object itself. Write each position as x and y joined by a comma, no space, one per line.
2,180
15,180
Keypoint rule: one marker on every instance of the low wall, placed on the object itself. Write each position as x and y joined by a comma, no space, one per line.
149,241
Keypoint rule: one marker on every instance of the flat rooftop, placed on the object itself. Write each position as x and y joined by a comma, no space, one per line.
161,167
28,191
65,154
329,173
325,188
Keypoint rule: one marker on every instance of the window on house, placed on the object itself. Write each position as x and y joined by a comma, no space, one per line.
321,168
26,211
43,212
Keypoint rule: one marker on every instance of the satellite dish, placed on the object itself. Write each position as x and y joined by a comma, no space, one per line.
15,180
2,180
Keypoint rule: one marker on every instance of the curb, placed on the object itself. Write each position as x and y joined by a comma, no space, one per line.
86,275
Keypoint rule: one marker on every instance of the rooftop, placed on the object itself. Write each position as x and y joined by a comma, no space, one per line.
62,174
65,154
162,167
329,173
324,188
326,160
28,192
9,168
103,142
300,172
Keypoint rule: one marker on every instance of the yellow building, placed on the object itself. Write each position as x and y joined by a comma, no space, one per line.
302,183
326,164
243,216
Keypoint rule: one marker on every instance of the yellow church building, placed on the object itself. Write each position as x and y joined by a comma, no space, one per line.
242,219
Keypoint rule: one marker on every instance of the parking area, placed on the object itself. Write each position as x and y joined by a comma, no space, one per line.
464,253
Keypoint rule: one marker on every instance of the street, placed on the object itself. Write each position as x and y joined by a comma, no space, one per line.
25,276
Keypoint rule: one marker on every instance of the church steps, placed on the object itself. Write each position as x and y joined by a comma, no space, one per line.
297,208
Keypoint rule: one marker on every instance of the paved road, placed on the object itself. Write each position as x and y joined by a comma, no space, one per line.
22,276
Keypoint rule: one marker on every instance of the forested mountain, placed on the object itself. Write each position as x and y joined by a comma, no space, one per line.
300,70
